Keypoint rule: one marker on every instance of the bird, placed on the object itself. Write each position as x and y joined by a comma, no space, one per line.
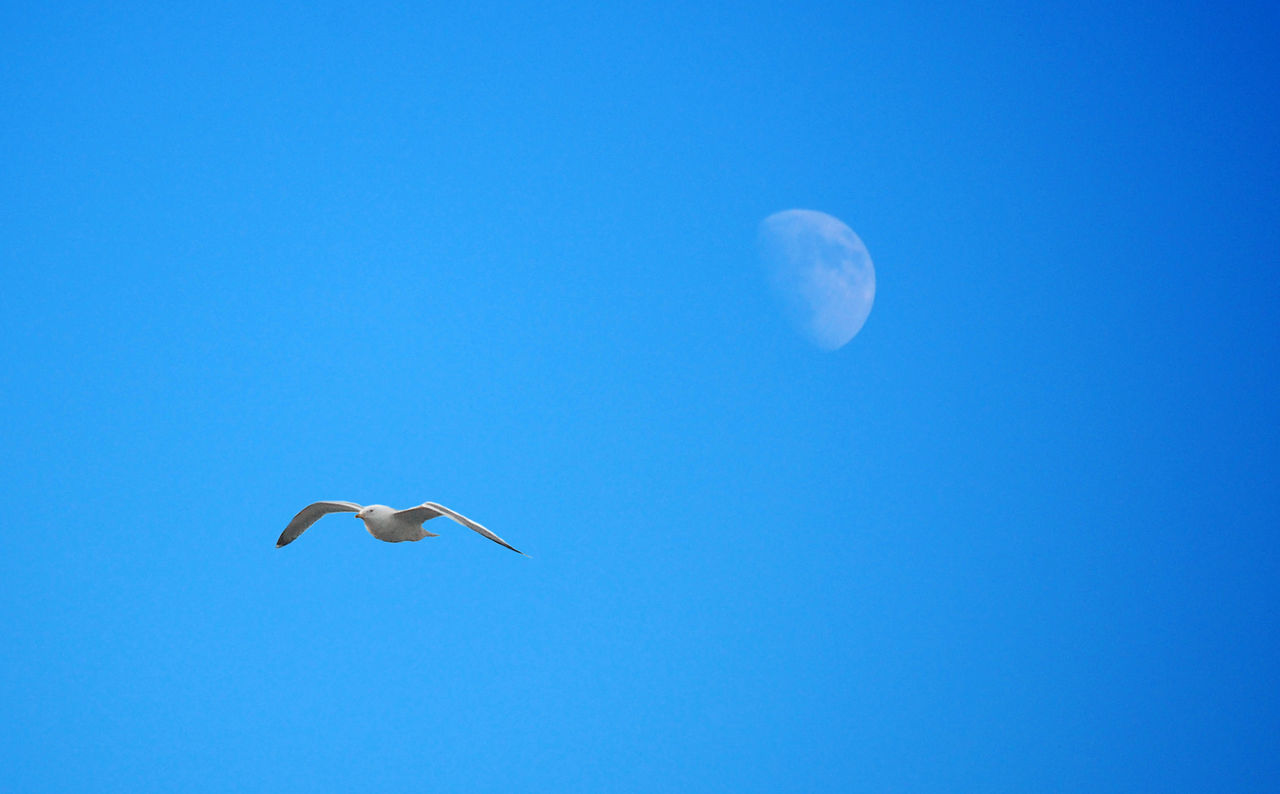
384,523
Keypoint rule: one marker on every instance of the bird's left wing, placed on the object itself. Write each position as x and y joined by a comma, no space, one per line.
310,515
429,510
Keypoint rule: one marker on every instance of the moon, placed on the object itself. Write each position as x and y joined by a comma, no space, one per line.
822,273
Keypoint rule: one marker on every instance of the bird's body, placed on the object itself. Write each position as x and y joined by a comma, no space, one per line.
384,523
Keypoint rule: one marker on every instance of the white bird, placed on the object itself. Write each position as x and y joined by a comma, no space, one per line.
383,522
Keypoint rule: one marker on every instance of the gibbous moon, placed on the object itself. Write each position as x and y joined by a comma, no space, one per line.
821,271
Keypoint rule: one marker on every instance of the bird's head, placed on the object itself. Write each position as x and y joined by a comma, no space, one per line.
373,511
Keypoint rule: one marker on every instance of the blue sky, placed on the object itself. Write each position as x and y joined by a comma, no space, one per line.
1019,534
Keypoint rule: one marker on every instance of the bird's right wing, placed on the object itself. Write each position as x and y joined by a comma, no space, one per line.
429,510
310,515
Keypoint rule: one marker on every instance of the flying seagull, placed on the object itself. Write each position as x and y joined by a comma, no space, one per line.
383,522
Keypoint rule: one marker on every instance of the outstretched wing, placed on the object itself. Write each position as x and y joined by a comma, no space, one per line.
310,515
429,510
418,514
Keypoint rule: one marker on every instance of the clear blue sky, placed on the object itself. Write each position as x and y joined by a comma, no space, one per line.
1021,534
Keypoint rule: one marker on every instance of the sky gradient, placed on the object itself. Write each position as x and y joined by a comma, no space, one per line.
1021,534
